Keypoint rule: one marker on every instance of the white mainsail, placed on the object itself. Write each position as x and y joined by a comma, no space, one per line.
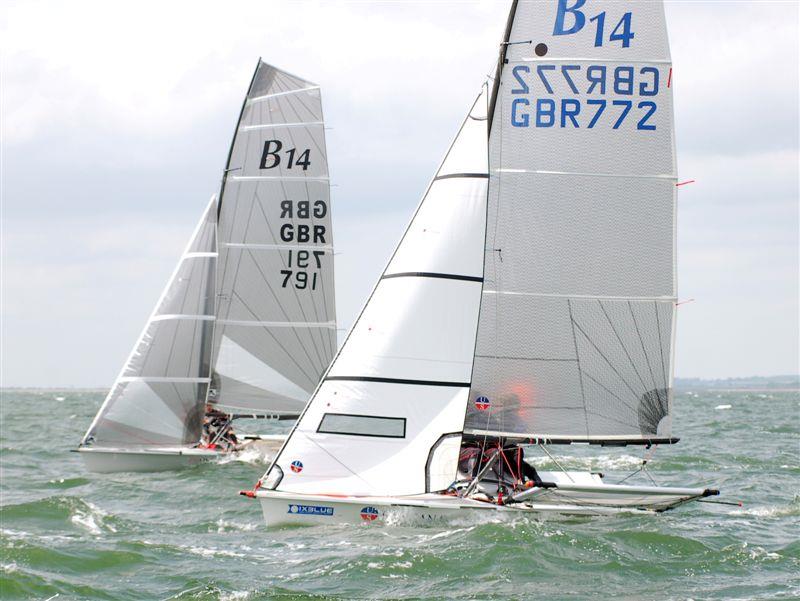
276,326
530,299
576,321
247,320
158,397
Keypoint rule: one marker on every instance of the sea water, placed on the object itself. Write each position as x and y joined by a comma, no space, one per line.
69,534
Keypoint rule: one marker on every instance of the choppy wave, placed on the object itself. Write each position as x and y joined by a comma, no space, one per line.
188,535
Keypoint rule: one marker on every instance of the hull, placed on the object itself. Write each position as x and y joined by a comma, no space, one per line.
160,459
145,460
284,509
572,493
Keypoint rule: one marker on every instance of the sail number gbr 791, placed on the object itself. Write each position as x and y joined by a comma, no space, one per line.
303,265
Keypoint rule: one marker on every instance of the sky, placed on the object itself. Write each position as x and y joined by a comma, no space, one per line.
117,118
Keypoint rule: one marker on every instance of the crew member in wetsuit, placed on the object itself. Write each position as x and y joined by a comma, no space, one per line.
214,422
474,455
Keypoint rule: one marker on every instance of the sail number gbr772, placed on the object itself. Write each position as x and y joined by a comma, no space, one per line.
615,97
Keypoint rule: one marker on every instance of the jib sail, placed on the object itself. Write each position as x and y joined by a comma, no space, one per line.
158,397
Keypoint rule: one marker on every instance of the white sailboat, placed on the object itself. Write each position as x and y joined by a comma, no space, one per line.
530,302
246,325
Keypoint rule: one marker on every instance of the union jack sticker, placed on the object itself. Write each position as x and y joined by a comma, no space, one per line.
482,403
369,514
297,466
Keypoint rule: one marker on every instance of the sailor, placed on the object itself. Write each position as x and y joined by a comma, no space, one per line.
217,430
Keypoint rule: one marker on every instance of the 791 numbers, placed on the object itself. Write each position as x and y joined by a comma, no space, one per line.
299,278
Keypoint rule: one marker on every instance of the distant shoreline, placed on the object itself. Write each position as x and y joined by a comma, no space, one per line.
703,389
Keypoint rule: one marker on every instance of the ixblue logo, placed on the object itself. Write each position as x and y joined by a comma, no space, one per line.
310,510
369,514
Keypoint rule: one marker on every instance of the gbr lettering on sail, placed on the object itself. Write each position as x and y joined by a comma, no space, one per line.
300,220
588,94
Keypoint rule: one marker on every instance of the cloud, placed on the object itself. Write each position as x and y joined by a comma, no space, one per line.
117,119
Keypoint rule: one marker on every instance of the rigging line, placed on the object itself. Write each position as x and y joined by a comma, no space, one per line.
661,347
578,360
336,459
613,419
200,290
178,324
566,473
295,331
258,201
151,416
631,407
622,344
129,431
299,99
317,345
497,275
624,381
641,341
278,342
283,116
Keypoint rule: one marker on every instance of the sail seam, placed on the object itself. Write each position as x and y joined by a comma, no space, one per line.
278,246
398,381
563,59
183,316
259,178
164,379
461,175
664,176
276,94
278,324
582,296
562,439
429,274
271,125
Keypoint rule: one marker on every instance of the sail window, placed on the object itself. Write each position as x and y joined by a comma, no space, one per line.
363,425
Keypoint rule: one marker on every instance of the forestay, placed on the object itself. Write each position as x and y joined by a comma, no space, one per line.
576,320
276,331
393,400
158,397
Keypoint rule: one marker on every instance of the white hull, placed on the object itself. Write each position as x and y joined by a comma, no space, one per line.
576,494
97,459
160,459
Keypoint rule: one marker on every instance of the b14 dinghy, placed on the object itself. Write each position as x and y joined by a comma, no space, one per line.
246,325
530,302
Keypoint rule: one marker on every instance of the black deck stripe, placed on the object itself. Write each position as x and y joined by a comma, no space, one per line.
429,274
451,175
398,381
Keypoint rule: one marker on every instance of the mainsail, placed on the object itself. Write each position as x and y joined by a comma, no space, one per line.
247,320
576,321
531,299
276,331
158,397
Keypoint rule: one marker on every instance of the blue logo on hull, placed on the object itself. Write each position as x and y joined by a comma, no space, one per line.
310,510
